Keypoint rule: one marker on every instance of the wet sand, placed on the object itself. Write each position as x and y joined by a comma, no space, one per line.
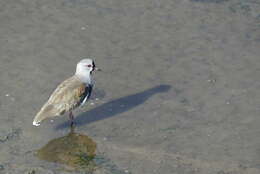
179,91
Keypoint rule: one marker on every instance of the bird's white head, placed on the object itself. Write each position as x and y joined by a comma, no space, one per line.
84,69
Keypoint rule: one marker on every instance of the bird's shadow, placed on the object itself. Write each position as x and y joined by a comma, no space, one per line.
115,107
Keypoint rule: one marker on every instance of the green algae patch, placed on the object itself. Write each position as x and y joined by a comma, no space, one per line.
75,150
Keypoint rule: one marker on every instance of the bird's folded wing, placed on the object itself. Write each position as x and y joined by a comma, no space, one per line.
68,95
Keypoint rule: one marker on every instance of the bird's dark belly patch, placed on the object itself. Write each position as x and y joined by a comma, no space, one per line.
86,95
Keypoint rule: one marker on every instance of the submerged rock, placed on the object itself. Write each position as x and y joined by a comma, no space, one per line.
75,150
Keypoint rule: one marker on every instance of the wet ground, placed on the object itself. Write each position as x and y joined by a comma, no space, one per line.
179,91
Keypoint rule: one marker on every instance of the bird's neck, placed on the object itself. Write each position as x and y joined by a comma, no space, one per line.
84,76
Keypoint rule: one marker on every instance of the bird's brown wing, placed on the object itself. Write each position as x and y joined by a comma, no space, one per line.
68,95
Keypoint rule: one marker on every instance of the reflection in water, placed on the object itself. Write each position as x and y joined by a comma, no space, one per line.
74,150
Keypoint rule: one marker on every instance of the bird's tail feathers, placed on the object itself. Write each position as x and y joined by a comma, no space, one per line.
44,113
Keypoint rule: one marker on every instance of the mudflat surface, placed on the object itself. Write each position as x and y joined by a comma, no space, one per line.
179,91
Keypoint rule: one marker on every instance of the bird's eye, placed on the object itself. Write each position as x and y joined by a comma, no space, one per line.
89,65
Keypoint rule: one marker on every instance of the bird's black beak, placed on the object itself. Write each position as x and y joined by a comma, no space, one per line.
95,68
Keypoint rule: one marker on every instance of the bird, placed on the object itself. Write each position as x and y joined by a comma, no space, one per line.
70,94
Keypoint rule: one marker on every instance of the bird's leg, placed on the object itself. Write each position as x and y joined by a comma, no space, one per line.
71,118
72,129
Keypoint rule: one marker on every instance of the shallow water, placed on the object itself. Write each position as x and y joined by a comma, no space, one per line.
179,91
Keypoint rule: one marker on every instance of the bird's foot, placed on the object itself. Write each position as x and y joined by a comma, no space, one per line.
72,124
